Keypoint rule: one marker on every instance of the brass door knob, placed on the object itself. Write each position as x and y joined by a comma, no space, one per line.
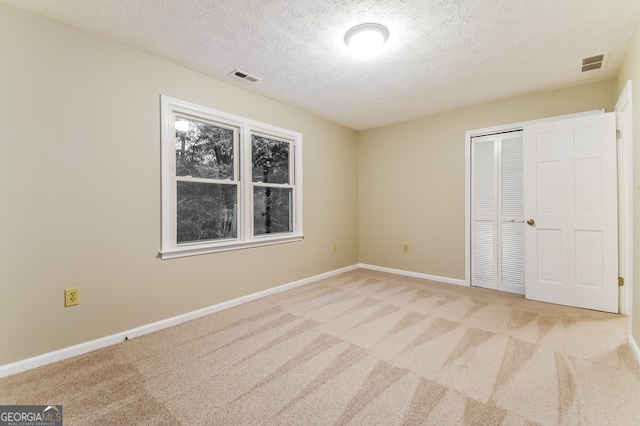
531,222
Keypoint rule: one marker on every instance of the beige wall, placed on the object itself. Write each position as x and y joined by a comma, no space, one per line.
80,191
630,70
412,178
80,187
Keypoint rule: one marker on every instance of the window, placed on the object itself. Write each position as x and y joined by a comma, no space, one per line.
227,182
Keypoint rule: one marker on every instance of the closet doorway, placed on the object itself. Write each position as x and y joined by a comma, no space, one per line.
542,211
497,212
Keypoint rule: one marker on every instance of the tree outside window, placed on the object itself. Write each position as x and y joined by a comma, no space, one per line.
227,182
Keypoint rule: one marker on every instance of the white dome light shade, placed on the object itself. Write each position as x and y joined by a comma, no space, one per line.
366,38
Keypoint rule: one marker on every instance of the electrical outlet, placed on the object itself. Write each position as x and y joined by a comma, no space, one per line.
71,297
334,248
405,247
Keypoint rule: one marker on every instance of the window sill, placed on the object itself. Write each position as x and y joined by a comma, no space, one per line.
198,249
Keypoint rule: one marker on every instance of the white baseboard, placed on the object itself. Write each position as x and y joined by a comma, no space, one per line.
413,274
83,348
634,347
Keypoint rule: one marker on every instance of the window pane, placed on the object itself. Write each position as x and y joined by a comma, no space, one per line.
206,211
271,210
203,150
270,160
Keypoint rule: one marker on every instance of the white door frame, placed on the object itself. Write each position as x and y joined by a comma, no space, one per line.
625,197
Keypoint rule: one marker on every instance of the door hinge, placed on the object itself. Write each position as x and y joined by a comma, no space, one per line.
618,134
620,281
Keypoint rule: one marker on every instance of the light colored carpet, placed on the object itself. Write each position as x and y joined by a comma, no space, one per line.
361,348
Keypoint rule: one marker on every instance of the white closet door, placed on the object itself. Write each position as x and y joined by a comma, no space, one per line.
484,242
497,229
511,214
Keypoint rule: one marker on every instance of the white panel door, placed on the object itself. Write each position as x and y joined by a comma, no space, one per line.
571,236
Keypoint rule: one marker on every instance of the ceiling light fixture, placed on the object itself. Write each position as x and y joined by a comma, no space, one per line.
366,38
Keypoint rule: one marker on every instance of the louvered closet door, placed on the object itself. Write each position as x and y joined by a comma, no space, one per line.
511,213
497,228
484,267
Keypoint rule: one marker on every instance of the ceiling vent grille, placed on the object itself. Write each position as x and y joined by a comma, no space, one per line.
245,75
594,62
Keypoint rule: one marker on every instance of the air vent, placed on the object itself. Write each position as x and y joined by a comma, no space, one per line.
594,62
245,75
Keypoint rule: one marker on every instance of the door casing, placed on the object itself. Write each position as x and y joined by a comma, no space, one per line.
623,109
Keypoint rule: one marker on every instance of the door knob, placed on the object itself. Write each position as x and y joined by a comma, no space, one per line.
531,222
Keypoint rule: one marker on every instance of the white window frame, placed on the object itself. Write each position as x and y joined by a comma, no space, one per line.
170,107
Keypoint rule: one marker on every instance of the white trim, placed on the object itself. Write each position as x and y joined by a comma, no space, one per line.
83,348
624,105
413,274
467,172
196,249
634,347
520,124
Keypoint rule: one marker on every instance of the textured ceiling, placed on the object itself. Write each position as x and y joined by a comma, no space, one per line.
441,54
